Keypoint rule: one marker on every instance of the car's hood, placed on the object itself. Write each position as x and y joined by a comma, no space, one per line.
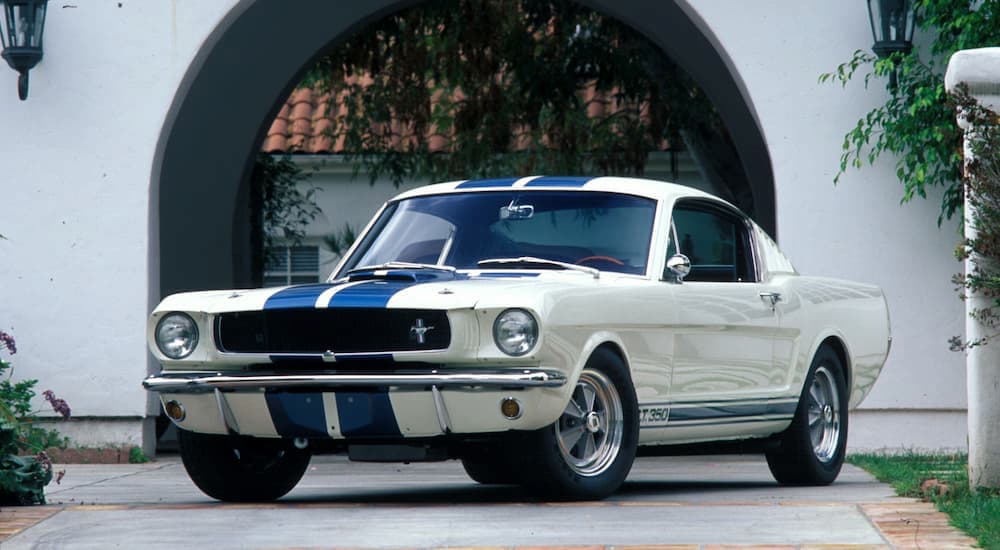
414,289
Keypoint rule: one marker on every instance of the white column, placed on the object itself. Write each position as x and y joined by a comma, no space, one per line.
979,69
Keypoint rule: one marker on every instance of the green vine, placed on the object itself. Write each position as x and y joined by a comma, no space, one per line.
982,192
916,125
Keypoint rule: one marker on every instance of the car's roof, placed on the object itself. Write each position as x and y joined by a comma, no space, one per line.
653,189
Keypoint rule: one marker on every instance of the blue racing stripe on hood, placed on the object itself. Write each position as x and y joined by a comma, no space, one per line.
296,297
369,289
559,181
374,294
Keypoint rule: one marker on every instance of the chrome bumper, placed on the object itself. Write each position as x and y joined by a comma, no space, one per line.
199,382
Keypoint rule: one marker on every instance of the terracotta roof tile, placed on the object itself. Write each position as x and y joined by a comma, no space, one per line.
303,123
274,144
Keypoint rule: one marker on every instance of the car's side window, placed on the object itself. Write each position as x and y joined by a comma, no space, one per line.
716,242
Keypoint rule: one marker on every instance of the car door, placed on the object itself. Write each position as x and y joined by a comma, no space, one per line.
724,368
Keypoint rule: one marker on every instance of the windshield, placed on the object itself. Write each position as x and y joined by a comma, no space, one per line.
607,231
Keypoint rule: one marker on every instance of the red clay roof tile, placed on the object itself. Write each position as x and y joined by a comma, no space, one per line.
303,123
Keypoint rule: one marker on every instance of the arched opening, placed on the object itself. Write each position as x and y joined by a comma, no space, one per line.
235,87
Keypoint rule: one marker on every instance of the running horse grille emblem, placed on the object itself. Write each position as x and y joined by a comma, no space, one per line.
419,331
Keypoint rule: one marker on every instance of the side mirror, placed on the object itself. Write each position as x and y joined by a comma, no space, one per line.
679,265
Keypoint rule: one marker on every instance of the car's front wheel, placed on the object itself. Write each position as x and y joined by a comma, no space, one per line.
811,451
241,469
489,464
587,453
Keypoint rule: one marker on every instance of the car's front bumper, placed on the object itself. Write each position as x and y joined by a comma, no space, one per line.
349,406
196,382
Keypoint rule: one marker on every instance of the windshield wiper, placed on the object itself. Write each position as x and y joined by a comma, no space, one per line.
401,265
528,261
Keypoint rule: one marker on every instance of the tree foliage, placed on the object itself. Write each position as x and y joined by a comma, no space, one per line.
480,88
916,124
281,206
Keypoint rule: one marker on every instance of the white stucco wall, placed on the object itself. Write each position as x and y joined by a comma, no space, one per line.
76,160
77,157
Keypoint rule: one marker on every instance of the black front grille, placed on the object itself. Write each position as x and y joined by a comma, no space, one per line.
340,330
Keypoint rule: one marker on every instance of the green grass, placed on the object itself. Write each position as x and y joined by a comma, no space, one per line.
978,514
136,456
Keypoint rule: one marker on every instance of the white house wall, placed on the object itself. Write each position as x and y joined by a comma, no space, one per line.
77,158
74,198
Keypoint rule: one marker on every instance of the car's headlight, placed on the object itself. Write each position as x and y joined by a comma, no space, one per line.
515,332
176,335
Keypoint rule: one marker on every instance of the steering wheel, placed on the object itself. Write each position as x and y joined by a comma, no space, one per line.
608,259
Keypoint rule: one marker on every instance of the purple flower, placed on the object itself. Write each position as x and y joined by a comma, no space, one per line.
58,405
43,458
7,341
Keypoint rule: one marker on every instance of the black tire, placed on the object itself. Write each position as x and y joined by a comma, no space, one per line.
241,469
557,466
489,463
489,471
813,453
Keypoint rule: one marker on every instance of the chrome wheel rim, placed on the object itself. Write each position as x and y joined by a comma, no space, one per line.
590,430
823,412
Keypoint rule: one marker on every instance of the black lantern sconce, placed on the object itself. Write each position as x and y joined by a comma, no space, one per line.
21,26
892,28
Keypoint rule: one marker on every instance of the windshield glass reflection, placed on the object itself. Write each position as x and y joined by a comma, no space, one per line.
607,231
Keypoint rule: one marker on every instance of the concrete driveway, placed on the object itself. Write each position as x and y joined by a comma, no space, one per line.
675,502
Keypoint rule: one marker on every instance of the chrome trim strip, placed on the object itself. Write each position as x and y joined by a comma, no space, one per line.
442,412
196,382
228,418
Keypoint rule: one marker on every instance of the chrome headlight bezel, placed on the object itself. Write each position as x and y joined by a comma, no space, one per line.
176,335
515,332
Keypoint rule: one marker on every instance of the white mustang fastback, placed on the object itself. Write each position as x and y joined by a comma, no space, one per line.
540,329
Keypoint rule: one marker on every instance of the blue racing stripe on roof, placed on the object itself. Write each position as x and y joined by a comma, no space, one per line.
375,294
296,297
559,181
499,182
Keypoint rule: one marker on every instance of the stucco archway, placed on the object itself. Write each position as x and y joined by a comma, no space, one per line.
238,79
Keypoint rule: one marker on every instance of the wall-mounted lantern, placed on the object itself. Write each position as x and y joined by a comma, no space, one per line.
892,28
21,25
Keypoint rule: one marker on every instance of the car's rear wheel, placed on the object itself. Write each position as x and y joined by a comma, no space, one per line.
811,451
241,469
587,453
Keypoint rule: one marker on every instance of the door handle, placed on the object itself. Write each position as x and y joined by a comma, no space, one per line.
772,297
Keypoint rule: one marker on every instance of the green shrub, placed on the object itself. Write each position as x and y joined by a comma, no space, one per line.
23,477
